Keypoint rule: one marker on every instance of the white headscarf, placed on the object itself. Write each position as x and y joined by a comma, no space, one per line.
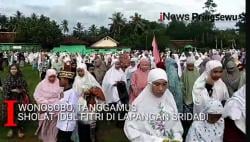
190,60
200,94
198,62
66,59
110,78
183,57
86,82
235,108
202,131
147,103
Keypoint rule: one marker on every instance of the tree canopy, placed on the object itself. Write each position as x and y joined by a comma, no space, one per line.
135,31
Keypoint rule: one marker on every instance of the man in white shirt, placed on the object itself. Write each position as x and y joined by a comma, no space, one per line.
69,98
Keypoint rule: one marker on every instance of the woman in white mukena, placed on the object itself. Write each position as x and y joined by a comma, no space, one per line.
235,117
157,100
210,130
209,86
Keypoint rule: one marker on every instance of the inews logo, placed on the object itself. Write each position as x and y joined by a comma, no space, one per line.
200,17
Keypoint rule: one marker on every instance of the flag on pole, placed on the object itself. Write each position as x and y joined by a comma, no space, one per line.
156,53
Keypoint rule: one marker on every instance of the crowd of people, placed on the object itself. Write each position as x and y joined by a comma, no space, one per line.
212,83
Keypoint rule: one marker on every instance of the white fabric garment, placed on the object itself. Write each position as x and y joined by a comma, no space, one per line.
152,130
82,84
198,62
86,82
134,59
200,94
190,60
79,59
183,57
202,131
66,59
110,78
31,57
176,58
235,108
70,98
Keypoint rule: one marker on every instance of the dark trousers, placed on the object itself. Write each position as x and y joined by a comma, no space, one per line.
232,133
86,133
119,123
63,136
43,74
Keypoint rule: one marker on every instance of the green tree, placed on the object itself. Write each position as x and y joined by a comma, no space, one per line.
64,25
38,30
241,24
137,23
78,30
3,22
103,31
177,30
93,30
210,6
118,22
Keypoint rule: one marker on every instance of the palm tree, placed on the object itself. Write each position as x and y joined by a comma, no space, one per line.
137,23
14,21
93,30
103,30
79,27
118,22
65,26
78,30
3,22
18,15
33,16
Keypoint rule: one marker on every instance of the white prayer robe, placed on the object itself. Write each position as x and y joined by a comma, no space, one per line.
200,94
146,103
235,109
110,78
202,131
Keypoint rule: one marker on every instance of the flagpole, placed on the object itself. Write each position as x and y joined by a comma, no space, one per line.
216,43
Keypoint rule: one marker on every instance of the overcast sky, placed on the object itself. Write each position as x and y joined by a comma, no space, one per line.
97,12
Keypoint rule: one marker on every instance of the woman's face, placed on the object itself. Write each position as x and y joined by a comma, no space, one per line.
52,78
216,73
80,72
132,63
117,65
91,69
13,70
159,87
144,66
190,67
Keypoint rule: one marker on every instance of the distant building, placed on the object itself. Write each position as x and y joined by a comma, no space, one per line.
73,41
180,44
7,43
106,42
7,37
90,45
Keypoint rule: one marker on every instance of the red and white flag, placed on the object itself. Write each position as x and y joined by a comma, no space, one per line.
156,53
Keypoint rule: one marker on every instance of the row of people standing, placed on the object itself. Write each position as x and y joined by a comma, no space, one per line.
205,83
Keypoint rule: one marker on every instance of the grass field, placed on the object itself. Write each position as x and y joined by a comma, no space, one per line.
106,132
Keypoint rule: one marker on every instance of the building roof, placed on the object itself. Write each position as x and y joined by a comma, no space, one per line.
181,43
73,40
7,37
106,37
